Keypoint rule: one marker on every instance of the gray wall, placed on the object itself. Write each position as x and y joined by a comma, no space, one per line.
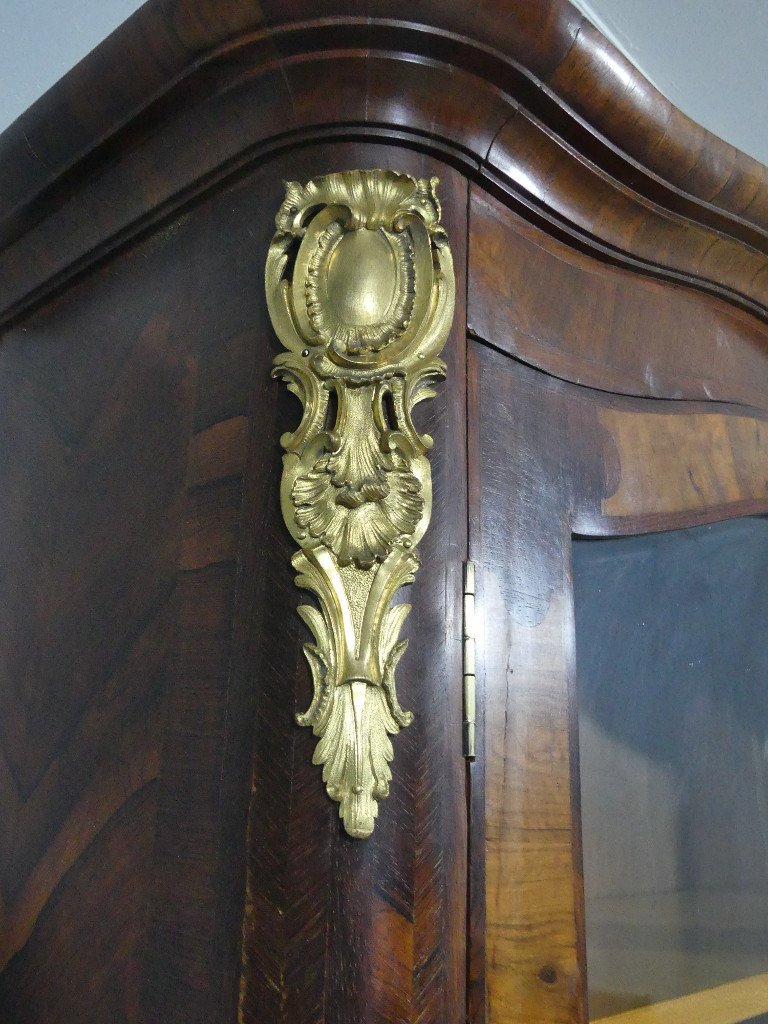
40,40
707,56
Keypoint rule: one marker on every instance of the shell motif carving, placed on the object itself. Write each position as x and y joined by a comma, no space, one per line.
360,290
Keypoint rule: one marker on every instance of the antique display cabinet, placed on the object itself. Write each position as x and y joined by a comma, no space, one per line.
440,311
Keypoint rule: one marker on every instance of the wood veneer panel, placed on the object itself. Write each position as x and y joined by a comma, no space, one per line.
547,459
151,612
83,959
95,408
740,1002
339,930
686,462
525,98
134,377
560,310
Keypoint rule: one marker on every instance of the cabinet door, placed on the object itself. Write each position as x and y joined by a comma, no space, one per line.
548,460
340,930
165,833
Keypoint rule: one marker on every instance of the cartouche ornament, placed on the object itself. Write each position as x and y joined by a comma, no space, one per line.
360,289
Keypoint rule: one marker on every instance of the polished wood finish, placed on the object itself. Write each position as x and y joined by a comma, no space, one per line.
167,852
142,509
522,814
541,301
548,459
736,1003
93,484
336,929
513,94
693,463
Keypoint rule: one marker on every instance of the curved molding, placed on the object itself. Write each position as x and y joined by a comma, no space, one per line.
530,100
511,309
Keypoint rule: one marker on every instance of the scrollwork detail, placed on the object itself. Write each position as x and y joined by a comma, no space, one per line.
360,290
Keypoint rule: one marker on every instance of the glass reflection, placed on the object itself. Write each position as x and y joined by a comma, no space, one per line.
672,655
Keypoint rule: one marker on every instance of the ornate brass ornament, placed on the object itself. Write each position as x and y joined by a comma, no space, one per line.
360,290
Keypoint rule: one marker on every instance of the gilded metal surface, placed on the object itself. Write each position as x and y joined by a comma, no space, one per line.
360,290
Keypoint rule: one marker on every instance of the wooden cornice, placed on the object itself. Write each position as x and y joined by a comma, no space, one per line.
526,97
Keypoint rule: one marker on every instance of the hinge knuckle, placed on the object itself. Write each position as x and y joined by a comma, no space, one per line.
468,661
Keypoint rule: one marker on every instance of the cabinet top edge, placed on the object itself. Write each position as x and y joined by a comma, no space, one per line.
542,63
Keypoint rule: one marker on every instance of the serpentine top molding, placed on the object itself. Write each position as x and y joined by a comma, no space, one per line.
360,290
507,93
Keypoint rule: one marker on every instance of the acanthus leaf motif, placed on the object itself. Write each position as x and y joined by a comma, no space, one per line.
360,290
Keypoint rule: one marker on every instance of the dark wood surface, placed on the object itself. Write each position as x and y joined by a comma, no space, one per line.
339,930
524,819
524,97
167,851
548,459
515,46
153,652
96,407
607,328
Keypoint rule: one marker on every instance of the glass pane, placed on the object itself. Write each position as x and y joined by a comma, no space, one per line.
672,655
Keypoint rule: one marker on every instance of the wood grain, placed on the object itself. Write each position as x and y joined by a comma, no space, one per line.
687,462
527,99
168,853
548,459
95,975
735,1003
549,305
523,818
339,930
92,484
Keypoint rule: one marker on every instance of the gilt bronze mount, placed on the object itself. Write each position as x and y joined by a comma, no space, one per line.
360,289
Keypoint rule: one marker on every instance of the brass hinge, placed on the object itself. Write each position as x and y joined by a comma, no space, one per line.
468,660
